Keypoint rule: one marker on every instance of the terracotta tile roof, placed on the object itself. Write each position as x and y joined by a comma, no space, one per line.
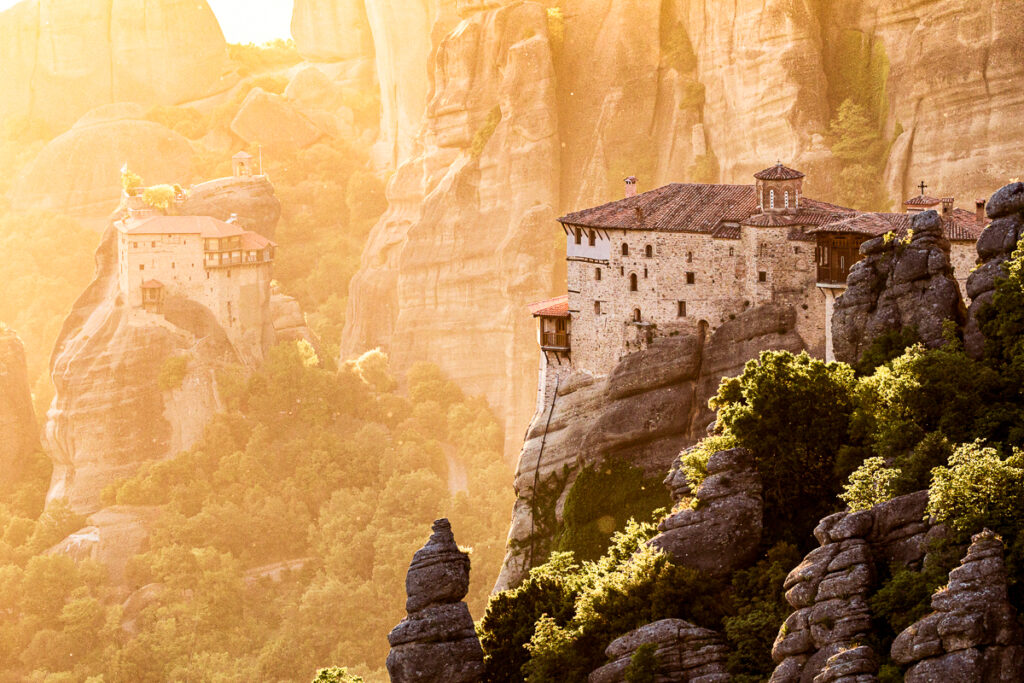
778,172
957,226
152,284
180,225
727,231
690,207
551,308
922,200
677,207
254,240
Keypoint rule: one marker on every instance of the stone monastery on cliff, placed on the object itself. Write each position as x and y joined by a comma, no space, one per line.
214,263
688,257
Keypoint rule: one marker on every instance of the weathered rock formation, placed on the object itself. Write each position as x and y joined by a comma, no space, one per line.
270,120
466,242
973,634
289,320
723,532
250,200
996,244
61,58
684,652
331,30
77,172
19,433
898,284
652,406
824,639
436,642
111,537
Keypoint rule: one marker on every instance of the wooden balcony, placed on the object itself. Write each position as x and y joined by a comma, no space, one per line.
555,341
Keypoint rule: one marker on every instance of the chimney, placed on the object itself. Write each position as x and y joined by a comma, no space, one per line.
947,205
979,209
631,186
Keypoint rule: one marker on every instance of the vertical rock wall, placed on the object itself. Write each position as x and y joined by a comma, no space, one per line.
19,434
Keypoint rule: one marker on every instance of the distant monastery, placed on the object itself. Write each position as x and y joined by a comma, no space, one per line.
228,270
687,257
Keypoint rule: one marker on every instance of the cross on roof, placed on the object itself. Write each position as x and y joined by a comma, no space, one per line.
923,187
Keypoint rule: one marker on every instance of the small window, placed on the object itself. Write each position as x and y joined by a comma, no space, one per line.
579,235
785,198
691,278
172,265
645,273
597,308
135,245
689,257
622,270
142,266
597,273
648,251
207,275
636,315
680,309
592,238
730,251
771,198
762,276
632,282
796,250
153,243
625,249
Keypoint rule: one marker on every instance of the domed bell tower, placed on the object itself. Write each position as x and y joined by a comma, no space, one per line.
779,189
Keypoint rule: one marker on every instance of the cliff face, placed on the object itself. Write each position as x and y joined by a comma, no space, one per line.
466,241
666,91
646,411
17,419
61,58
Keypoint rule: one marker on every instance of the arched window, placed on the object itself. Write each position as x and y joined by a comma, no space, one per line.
597,273
786,199
632,282
593,237
771,198
648,251
625,249
636,315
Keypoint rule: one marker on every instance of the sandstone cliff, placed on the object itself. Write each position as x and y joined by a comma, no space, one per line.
466,241
648,409
20,433
61,58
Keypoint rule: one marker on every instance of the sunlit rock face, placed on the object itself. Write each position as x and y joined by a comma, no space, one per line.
19,435
77,172
331,30
61,58
251,200
651,406
110,414
467,240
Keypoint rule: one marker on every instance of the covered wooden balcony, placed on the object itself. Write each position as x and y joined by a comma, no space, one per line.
554,324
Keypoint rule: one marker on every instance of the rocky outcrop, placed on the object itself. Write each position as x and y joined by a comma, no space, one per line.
61,58
17,418
436,642
466,242
289,320
901,283
722,532
111,537
973,634
996,245
251,200
331,30
825,638
269,119
652,406
77,172
684,653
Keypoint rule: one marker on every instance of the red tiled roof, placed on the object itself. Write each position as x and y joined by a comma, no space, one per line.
180,225
152,284
730,231
688,207
922,200
778,172
957,226
254,241
551,308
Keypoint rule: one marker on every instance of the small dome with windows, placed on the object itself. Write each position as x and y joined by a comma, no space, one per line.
778,189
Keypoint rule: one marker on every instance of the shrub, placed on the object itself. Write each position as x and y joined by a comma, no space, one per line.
129,180
173,372
886,347
978,489
556,30
643,665
159,196
484,133
336,674
872,483
694,461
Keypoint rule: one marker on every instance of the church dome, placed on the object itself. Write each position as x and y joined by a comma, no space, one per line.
778,172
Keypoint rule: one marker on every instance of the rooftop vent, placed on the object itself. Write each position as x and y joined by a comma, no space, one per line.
631,186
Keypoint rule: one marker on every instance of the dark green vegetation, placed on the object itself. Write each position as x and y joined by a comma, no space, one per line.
822,437
298,511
